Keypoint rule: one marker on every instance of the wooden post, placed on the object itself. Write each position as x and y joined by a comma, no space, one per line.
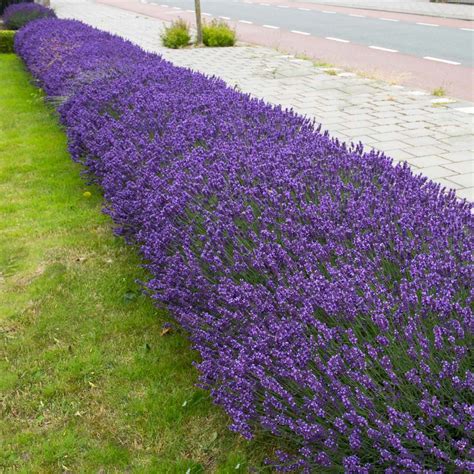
197,7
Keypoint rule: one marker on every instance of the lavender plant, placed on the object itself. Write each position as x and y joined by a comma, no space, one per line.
19,14
327,290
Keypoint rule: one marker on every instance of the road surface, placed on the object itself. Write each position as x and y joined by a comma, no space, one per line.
421,39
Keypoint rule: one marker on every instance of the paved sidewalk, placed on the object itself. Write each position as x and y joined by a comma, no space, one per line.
434,136
416,7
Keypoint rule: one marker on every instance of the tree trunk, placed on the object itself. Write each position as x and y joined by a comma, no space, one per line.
197,6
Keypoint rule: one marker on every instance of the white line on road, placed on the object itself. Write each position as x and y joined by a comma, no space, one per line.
388,19
190,11
176,8
271,27
164,6
426,24
467,29
245,21
225,17
327,11
265,4
388,50
207,14
300,32
283,6
304,9
454,63
356,16
337,39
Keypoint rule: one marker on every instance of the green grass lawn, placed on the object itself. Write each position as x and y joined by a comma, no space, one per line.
88,381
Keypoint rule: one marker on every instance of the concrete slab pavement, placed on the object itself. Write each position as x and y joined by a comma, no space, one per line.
435,137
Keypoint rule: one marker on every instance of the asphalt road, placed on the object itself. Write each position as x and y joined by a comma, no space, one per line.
427,39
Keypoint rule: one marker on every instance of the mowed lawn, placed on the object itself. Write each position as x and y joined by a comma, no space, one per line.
89,380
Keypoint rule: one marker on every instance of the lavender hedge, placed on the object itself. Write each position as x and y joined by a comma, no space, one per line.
327,290
5,3
19,14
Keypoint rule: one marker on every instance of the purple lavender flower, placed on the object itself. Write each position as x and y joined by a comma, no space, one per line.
327,290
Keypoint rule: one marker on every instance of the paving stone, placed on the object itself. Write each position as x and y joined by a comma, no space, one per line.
413,125
389,136
448,184
400,155
461,167
466,193
389,146
359,132
420,141
418,133
426,161
356,124
458,141
456,156
387,128
464,180
385,114
425,150
363,139
391,121
435,172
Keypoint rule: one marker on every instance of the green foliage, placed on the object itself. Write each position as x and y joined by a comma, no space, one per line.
176,35
218,33
7,38
17,16
5,3
89,380
439,92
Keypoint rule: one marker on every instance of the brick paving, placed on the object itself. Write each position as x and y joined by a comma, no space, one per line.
434,135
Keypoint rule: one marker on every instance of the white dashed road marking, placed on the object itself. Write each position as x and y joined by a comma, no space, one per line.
337,39
388,19
356,16
271,27
327,11
430,58
304,9
300,32
225,17
388,50
426,24
245,21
